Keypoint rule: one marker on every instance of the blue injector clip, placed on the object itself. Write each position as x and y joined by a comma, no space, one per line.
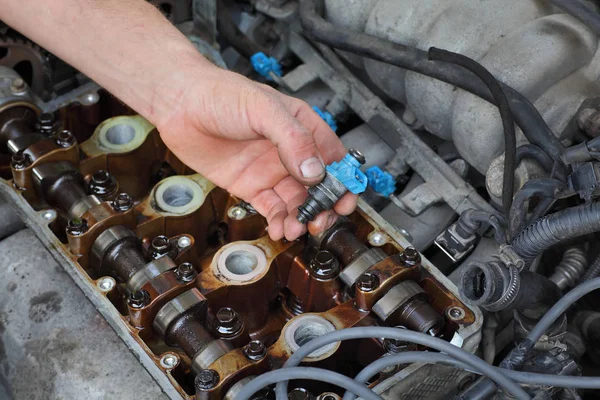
265,66
380,181
327,117
348,172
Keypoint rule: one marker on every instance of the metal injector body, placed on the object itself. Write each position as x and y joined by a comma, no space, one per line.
340,177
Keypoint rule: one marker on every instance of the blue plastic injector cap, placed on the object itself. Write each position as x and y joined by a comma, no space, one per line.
265,65
380,181
327,117
348,172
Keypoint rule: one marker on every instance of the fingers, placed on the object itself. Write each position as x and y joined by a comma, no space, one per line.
293,194
322,222
297,148
272,207
347,204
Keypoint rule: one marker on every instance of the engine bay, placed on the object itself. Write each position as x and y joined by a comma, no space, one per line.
466,269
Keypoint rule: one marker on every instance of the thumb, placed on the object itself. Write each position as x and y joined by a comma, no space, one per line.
295,143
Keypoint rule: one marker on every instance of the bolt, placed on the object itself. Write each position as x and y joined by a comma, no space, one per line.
206,379
18,86
411,256
367,282
377,239
106,283
77,227
300,394
48,124
20,160
169,361
357,155
255,350
324,265
65,139
102,184
138,299
237,213
160,246
123,202
184,242
185,272
456,313
229,323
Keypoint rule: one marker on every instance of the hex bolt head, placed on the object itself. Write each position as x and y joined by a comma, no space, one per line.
206,379
48,124
411,256
20,160
324,265
123,202
160,246
102,184
185,272
228,323
138,299
18,86
367,282
255,350
77,227
65,139
357,155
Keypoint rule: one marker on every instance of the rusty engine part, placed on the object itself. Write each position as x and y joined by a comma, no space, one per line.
190,276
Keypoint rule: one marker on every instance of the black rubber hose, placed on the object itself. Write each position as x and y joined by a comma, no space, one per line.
581,11
534,153
510,139
232,34
554,228
526,115
545,188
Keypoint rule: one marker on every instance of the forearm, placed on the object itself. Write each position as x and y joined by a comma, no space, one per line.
126,46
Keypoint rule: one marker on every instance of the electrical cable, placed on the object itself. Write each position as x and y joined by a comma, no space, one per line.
526,115
558,309
581,11
544,187
533,152
405,335
510,138
316,374
409,357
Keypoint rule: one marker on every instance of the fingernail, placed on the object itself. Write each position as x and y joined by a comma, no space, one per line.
312,168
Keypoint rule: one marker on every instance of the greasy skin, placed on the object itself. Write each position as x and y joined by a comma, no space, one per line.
257,143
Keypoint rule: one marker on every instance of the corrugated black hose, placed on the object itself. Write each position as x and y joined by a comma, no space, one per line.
526,115
510,139
554,228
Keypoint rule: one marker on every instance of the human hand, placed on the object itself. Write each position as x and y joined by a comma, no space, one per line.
261,145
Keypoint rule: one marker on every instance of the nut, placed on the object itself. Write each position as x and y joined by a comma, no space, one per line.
367,282
139,299
411,256
48,124
206,379
324,265
123,202
65,139
77,227
20,160
228,322
102,184
255,350
185,272
160,246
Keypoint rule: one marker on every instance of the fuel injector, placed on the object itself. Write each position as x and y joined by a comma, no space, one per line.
340,177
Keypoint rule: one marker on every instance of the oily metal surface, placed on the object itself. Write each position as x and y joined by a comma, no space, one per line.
53,343
101,303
